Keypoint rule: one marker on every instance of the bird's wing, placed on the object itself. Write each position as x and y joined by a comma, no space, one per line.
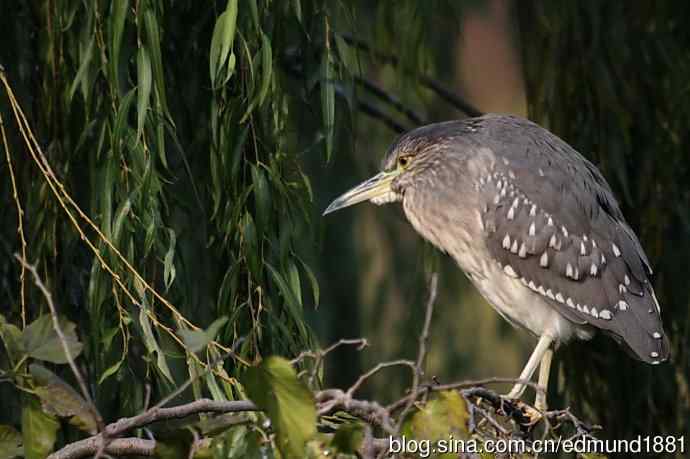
552,222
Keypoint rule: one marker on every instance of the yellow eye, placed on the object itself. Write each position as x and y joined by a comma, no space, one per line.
404,161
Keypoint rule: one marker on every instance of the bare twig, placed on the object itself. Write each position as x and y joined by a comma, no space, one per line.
319,355
376,369
361,105
390,100
63,341
430,83
421,353
20,220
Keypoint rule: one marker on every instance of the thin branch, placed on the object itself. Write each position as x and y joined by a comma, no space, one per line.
319,355
361,105
430,83
376,369
390,99
63,341
421,353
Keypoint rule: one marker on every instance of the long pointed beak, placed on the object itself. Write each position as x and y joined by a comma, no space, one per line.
378,185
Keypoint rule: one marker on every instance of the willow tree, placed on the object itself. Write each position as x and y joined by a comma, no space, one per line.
162,201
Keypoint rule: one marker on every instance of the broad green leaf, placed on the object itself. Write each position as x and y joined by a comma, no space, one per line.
58,398
168,262
11,337
144,82
275,388
348,437
10,442
440,417
151,343
41,341
39,430
196,340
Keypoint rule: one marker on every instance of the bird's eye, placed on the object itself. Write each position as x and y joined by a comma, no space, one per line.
403,161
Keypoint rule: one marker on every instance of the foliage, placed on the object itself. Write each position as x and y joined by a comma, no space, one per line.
155,198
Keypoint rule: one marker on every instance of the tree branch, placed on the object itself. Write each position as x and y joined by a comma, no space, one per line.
92,444
429,82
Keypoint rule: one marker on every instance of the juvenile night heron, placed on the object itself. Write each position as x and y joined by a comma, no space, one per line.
535,227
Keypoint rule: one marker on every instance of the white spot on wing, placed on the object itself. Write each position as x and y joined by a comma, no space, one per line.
605,314
509,271
544,260
522,253
616,250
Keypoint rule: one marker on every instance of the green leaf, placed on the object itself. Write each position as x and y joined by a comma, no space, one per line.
154,45
144,82
262,198
10,442
39,430
221,43
294,307
348,438
111,370
11,337
116,21
312,281
442,416
196,340
275,388
168,262
266,68
41,341
328,99
58,398
152,345
82,74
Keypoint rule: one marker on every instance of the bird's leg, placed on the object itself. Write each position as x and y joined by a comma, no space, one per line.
544,370
542,346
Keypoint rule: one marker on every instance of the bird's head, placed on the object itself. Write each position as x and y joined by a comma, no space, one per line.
412,153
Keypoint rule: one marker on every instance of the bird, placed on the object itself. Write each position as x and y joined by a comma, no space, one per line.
534,226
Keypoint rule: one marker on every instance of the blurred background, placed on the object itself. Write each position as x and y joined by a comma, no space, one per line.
212,186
